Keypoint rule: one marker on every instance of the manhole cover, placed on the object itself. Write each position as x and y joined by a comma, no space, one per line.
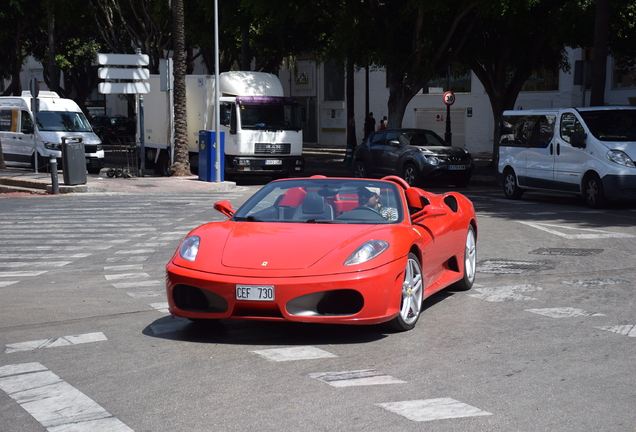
566,251
503,266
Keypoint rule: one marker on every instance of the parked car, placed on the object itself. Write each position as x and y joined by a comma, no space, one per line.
326,250
111,129
416,155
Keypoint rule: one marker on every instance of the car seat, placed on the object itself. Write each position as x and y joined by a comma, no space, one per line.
314,207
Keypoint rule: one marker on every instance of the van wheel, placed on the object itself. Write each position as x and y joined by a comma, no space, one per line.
510,187
593,193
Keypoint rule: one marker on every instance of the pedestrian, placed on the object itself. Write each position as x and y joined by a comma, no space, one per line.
369,126
382,125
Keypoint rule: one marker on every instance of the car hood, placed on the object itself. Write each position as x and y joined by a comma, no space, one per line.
442,150
282,246
56,137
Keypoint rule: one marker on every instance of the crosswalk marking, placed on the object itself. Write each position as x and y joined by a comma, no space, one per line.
55,342
432,409
137,284
126,276
586,233
21,273
54,403
563,312
623,330
7,283
160,307
294,353
355,378
506,293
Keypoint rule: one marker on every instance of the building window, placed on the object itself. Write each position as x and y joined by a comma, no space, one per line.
622,78
334,80
542,80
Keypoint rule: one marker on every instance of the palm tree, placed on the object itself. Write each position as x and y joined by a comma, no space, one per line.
181,166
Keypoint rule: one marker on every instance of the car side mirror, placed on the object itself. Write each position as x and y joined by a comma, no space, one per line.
578,140
224,207
428,212
394,143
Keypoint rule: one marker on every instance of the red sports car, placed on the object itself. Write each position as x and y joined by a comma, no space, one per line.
326,250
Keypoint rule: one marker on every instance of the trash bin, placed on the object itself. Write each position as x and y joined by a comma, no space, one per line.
73,161
207,156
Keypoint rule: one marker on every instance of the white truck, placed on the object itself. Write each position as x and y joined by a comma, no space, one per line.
263,128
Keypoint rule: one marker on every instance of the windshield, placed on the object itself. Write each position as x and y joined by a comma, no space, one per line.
270,114
334,201
62,121
611,125
422,138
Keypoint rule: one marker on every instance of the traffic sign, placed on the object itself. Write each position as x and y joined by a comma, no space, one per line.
449,98
123,73
124,87
123,59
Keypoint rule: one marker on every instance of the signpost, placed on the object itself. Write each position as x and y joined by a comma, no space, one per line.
34,87
449,99
130,80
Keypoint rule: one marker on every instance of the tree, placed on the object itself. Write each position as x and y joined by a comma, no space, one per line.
181,164
512,39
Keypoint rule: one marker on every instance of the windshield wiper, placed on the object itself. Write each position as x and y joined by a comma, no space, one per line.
247,219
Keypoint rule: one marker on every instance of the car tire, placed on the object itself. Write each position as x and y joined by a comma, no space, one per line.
470,262
510,187
593,192
410,174
360,169
411,299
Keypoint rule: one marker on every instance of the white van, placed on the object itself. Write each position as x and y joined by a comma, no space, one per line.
587,151
57,118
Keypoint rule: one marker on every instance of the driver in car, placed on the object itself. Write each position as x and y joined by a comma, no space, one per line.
370,197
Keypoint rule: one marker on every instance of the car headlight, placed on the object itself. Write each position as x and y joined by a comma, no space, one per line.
620,158
189,248
52,146
366,252
433,160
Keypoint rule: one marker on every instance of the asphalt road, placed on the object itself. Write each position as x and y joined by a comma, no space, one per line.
545,341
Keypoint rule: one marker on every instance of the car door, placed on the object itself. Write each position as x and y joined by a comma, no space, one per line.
569,160
539,132
376,147
393,148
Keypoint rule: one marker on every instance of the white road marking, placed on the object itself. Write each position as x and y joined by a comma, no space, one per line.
35,264
145,283
127,258
7,283
55,342
177,324
505,293
126,276
124,267
563,312
135,251
623,330
21,274
355,378
145,294
160,307
433,409
589,232
43,256
294,353
593,282
57,405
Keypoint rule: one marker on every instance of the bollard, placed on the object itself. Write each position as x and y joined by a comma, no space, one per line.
55,188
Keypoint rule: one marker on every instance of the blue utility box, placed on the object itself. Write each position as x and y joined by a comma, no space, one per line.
207,155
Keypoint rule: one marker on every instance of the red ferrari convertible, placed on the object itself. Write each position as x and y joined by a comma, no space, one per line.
326,250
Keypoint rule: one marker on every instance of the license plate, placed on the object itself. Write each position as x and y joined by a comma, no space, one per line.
457,167
273,162
255,292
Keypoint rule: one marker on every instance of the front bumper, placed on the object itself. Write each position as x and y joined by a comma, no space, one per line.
618,187
366,297
264,165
